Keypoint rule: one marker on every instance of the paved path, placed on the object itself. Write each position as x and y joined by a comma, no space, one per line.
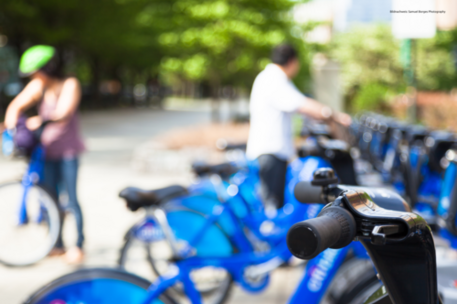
111,137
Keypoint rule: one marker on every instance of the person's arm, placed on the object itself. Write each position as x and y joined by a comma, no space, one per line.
315,109
23,101
322,112
288,98
68,102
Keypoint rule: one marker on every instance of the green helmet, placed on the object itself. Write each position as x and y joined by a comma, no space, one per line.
35,58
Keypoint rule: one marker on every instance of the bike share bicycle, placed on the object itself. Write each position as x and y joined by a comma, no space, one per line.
401,243
432,185
153,245
76,286
414,163
203,208
31,219
239,263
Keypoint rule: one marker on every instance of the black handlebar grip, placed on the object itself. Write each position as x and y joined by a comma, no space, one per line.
304,192
334,228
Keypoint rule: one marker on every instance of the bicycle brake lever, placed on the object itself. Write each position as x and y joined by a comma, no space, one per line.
381,232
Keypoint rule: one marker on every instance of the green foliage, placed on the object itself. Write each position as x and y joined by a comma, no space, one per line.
101,35
371,97
215,41
372,71
435,68
223,42
369,55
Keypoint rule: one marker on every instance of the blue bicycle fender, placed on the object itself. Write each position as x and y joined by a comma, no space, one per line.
186,225
206,205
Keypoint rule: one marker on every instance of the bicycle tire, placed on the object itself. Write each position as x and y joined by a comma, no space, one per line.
45,230
353,283
220,294
89,286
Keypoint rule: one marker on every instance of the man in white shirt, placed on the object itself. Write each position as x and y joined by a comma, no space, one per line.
274,98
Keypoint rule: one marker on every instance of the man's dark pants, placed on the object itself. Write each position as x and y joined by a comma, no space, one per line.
272,171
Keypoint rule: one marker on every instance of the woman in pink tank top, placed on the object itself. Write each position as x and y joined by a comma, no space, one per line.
57,98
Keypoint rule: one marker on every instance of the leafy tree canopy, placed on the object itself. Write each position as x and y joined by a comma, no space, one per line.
217,41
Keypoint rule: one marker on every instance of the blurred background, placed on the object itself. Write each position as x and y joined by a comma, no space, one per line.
165,80
142,53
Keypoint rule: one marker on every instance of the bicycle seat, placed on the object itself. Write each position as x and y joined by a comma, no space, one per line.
224,169
438,143
137,198
231,147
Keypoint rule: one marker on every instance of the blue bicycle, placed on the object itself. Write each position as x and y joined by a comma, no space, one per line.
31,219
227,217
246,268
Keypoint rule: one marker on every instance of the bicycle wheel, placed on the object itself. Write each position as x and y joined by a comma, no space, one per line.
135,257
151,260
353,284
29,232
98,285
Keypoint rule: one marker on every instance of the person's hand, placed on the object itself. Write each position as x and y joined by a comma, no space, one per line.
2,127
343,119
10,122
33,123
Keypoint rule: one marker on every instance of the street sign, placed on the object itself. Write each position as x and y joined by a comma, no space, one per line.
413,19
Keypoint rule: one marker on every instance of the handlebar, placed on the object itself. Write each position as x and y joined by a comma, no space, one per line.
307,193
334,227
398,242
21,141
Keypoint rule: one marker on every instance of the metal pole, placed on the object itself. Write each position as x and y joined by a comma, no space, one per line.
407,49
413,106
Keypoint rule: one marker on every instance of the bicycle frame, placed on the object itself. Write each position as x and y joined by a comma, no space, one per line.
317,277
236,212
32,176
